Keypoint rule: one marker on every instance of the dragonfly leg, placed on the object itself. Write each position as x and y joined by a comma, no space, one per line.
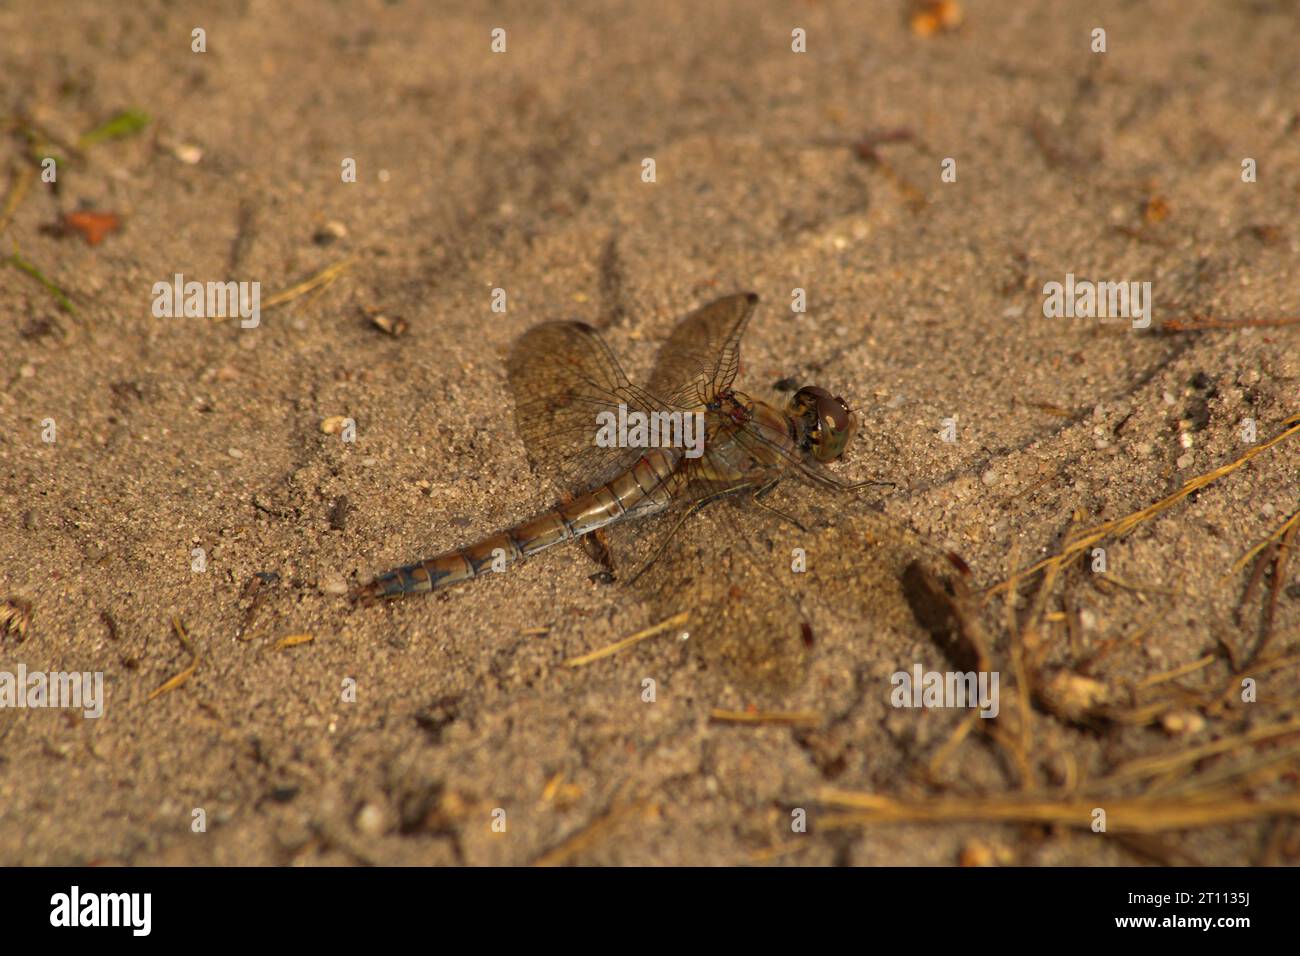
762,493
819,473
692,509
596,545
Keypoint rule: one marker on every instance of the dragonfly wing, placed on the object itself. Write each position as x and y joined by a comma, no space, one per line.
728,570
562,375
754,585
702,355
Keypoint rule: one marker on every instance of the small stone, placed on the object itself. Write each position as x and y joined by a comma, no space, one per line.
188,153
1185,461
1072,695
333,583
370,821
339,513
976,853
329,233
1182,722
390,325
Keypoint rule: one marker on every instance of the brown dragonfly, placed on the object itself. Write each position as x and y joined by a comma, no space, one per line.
566,382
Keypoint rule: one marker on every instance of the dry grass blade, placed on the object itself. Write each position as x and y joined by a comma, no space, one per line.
173,682
799,718
20,183
1177,672
776,852
319,280
1165,763
15,618
1123,815
1081,543
293,640
22,265
677,620
593,832
1198,322
1282,532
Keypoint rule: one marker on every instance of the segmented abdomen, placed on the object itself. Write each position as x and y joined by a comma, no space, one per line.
646,487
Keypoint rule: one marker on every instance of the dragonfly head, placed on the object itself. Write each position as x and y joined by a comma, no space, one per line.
824,421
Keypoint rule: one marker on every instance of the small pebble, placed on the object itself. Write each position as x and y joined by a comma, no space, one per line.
370,821
329,233
188,153
339,513
976,853
1182,722
333,583
390,325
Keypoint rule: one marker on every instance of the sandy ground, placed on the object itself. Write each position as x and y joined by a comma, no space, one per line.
523,171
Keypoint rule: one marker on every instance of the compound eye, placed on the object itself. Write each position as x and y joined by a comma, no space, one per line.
835,413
